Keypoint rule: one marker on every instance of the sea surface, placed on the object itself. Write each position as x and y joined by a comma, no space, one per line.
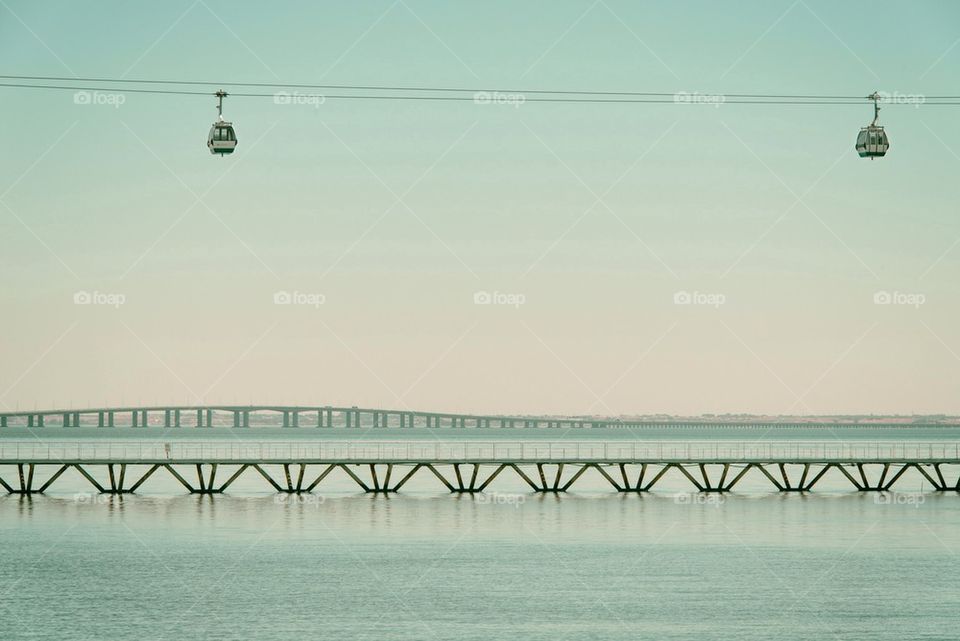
509,564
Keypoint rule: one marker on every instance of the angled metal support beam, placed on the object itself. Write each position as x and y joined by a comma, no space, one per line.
275,485
87,476
322,476
356,478
182,480
543,479
610,480
850,477
578,474
863,476
473,477
803,477
386,478
232,478
739,476
524,477
936,466
556,481
303,468
643,473
817,477
657,477
146,475
936,485
440,476
903,468
689,476
723,476
456,472
407,477
490,478
766,473
6,487
203,485
286,473
56,475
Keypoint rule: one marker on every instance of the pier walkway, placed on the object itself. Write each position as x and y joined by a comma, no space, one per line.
28,467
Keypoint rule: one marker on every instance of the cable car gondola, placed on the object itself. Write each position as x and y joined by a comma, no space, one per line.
872,141
222,138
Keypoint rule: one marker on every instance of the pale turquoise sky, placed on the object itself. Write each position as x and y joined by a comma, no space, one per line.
692,198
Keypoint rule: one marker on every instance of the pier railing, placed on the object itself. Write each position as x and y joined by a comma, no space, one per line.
474,451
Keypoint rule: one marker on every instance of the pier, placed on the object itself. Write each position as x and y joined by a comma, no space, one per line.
211,467
253,416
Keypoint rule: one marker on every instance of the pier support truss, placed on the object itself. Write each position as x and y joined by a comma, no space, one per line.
471,477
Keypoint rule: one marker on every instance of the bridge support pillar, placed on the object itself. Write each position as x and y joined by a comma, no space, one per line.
133,418
176,418
166,418
66,419
199,418
99,419
246,418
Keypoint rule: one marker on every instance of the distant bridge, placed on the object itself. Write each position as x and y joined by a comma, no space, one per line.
31,467
344,417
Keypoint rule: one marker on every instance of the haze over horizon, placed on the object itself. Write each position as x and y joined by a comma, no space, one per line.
399,218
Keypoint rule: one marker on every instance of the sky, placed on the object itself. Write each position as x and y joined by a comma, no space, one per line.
512,257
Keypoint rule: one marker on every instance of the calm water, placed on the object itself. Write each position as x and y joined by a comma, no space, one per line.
425,564
439,567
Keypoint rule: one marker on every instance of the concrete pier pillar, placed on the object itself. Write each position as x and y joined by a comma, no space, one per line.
199,418
246,418
133,418
144,422
286,419
66,419
166,418
76,419
111,418
3,421
99,419
236,418
296,418
29,420
209,418
176,418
